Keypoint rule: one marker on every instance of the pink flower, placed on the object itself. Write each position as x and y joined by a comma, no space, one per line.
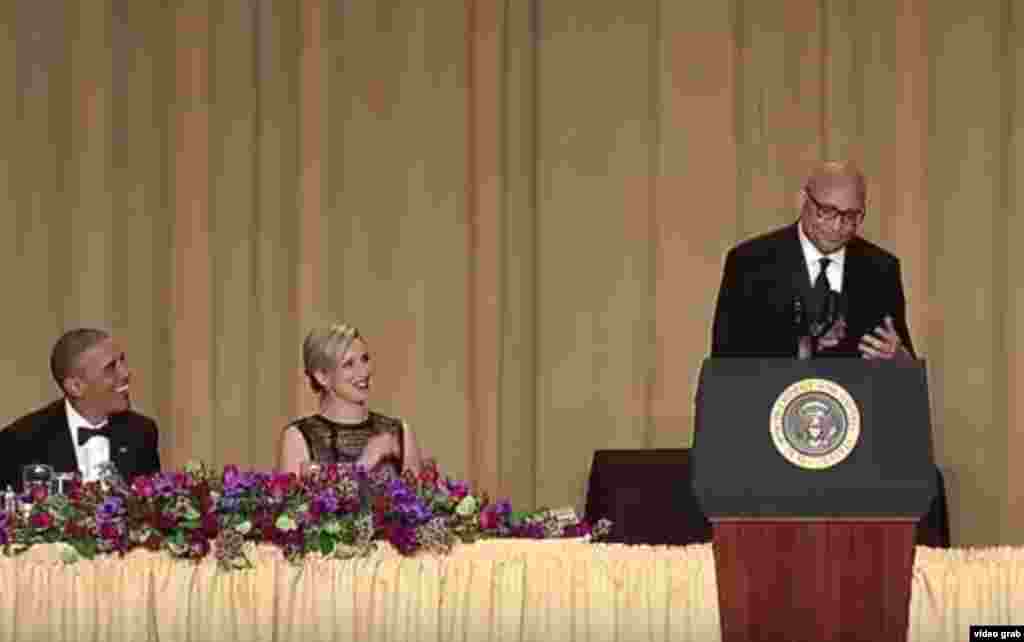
39,494
143,487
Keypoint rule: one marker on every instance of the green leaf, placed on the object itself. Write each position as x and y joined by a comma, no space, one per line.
85,547
326,544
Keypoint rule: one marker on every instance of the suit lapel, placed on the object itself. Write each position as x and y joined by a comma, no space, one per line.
60,452
796,267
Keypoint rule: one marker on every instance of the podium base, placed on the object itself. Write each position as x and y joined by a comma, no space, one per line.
812,580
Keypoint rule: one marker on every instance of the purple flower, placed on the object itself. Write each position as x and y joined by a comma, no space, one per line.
326,502
404,539
231,477
109,509
408,504
163,484
249,480
534,530
228,504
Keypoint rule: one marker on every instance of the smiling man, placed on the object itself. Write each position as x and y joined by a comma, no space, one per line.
92,426
776,288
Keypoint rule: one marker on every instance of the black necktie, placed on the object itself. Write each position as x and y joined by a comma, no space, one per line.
821,290
85,434
821,286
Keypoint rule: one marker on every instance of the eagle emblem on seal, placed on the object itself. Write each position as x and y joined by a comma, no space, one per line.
815,423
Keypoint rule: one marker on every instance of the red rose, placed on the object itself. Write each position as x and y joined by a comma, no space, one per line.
199,547
428,473
42,520
332,474
75,531
201,492
153,542
280,484
109,531
488,519
167,522
210,525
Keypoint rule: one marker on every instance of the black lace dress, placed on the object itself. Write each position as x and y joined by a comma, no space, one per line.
330,442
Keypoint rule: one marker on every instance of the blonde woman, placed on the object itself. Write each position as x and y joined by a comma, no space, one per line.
339,367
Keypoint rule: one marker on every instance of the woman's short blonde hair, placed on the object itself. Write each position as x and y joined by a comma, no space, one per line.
322,349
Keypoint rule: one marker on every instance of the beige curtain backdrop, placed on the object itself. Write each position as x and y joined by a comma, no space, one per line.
523,204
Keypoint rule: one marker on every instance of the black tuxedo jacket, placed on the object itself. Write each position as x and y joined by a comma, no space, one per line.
44,437
754,315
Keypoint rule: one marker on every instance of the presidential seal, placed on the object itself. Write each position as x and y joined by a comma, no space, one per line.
815,424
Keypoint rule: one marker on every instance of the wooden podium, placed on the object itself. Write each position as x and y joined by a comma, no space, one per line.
814,475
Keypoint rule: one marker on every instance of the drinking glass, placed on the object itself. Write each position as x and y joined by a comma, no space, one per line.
62,483
108,475
309,469
37,475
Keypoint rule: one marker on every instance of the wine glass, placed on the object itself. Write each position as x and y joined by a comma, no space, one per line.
108,475
62,483
309,470
36,476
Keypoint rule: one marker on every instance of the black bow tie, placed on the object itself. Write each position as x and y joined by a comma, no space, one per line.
85,434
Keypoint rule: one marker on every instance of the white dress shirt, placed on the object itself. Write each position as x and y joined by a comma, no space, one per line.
834,271
96,451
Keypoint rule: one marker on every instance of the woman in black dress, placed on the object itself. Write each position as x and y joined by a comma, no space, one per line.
340,372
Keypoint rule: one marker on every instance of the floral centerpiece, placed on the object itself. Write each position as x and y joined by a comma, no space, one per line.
336,510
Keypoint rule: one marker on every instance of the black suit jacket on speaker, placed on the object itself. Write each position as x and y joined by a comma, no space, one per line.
754,315
45,437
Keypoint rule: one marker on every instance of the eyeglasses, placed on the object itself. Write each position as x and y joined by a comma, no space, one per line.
829,213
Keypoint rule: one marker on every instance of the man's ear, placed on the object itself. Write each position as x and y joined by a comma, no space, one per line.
73,386
801,198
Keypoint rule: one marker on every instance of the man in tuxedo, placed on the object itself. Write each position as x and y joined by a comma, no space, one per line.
814,286
92,425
